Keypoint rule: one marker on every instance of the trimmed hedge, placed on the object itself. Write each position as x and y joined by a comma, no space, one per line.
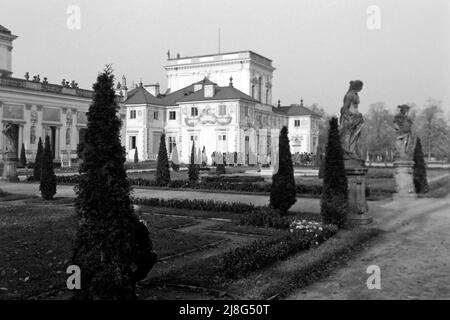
262,253
301,189
203,205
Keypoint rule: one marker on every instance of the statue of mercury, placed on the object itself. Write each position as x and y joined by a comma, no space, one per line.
403,130
351,121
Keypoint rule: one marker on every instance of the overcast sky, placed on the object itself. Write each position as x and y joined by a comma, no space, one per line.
317,46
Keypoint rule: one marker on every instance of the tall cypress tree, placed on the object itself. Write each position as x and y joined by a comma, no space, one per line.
420,171
23,158
48,177
162,169
193,168
112,248
282,193
38,161
334,202
136,156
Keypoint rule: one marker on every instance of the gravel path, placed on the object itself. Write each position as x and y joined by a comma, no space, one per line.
413,255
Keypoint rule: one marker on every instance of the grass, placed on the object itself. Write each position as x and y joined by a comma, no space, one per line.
36,245
438,189
234,227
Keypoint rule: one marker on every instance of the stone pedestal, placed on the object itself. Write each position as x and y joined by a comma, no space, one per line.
403,174
10,168
358,211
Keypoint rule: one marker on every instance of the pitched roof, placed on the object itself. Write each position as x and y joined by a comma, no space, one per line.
220,93
171,99
140,95
296,110
4,30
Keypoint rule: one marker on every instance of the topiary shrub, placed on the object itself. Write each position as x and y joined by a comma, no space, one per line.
37,168
112,247
136,156
23,159
334,201
48,177
220,169
420,170
162,168
282,194
193,169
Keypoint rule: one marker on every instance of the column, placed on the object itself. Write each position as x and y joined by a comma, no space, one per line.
20,140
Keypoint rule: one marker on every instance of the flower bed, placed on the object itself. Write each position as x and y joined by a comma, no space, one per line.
265,217
259,254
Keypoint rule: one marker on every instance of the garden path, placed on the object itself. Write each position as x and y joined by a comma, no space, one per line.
413,254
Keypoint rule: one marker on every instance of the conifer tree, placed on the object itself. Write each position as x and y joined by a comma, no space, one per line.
334,202
136,156
38,161
282,193
193,168
23,158
420,171
112,247
162,169
48,177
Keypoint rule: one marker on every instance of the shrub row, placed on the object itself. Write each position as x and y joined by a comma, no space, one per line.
195,204
301,189
261,253
237,178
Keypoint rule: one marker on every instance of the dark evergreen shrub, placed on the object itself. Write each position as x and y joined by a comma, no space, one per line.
194,168
136,156
282,194
112,247
48,177
162,169
23,158
38,161
334,202
220,169
420,170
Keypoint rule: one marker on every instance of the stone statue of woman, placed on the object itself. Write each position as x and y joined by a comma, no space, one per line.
351,121
10,134
403,130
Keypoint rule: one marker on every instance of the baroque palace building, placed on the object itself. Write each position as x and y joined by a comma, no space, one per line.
220,102
38,108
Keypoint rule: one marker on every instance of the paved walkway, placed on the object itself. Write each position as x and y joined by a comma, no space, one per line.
413,255
302,204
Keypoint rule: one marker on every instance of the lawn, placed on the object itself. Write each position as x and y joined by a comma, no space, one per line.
36,244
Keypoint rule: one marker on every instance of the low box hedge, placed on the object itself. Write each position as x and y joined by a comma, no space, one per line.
261,253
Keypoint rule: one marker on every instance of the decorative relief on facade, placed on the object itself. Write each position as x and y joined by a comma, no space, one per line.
52,115
34,117
69,119
208,116
11,111
81,117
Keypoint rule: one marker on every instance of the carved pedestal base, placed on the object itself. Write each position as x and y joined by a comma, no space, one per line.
10,169
358,211
403,174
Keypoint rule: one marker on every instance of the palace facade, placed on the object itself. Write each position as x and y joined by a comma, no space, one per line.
221,103
38,108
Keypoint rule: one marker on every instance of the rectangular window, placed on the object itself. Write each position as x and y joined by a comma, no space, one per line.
172,115
194,112
222,110
132,114
296,123
156,115
246,111
133,142
171,144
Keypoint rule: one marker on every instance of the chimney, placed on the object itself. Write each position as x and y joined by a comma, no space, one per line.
209,91
153,89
